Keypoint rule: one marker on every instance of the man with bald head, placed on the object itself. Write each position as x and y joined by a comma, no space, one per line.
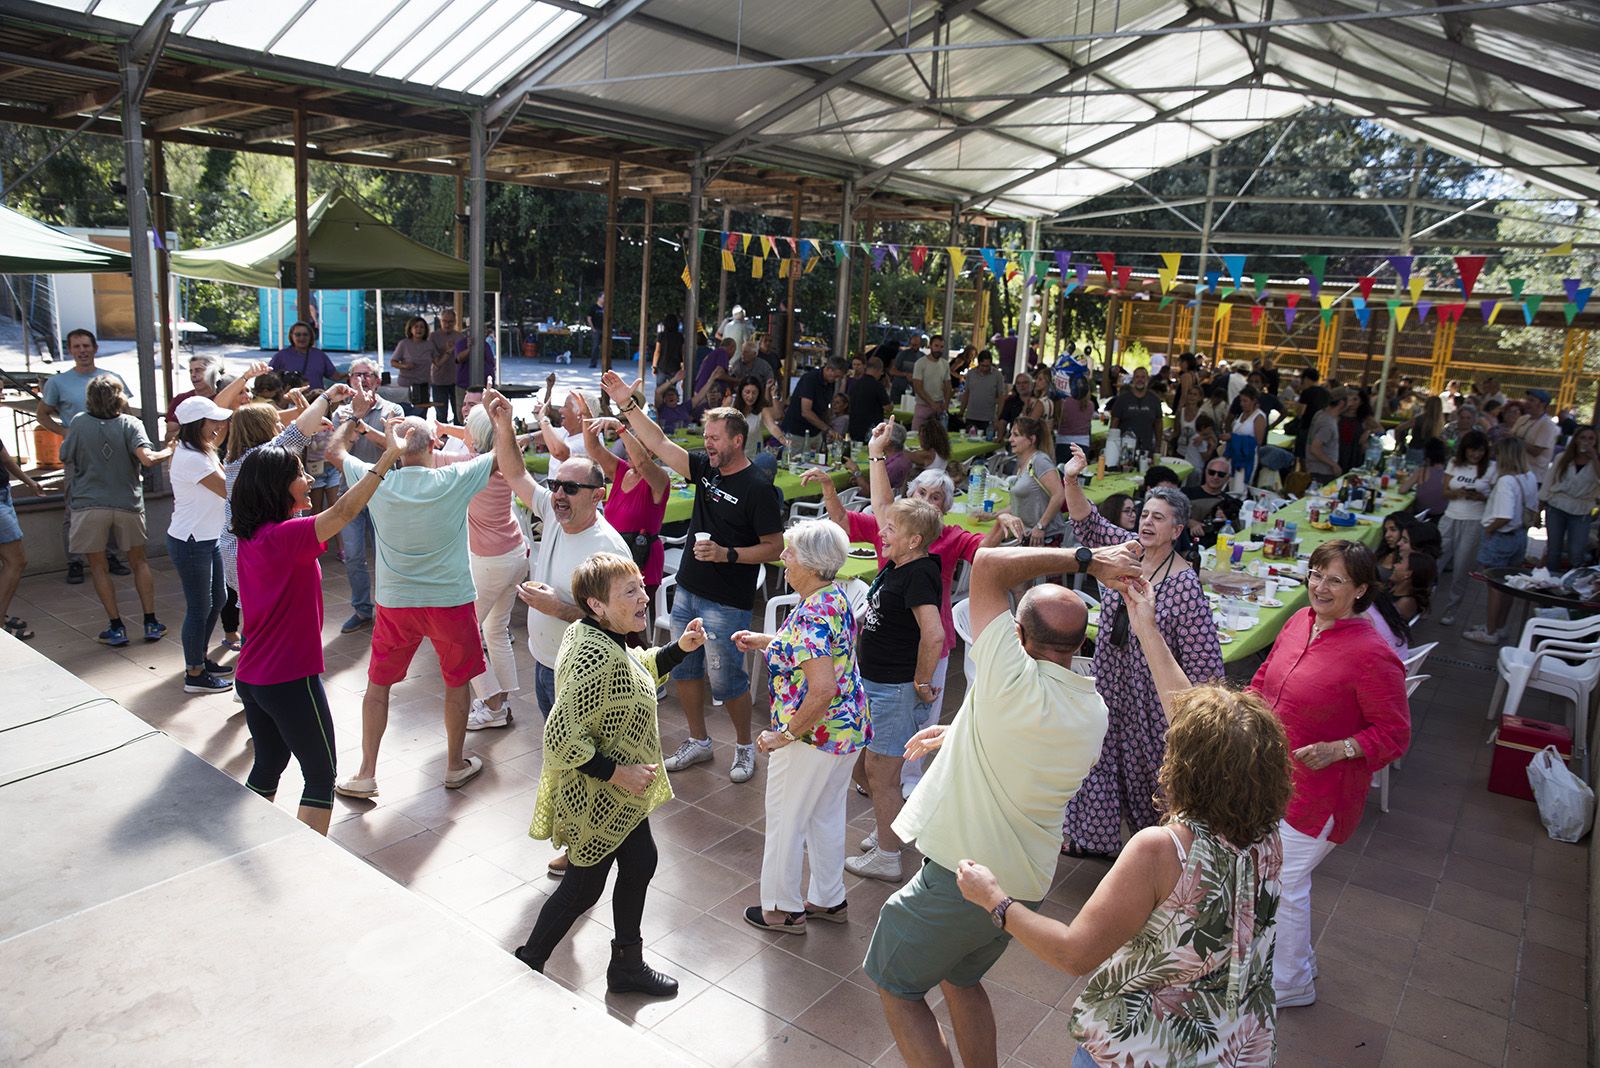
424,589
1027,733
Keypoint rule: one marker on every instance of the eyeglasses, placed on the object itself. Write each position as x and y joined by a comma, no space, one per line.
569,488
363,374
1218,473
1333,582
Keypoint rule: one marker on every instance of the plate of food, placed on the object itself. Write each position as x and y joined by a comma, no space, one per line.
1322,526
863,552
1214,598
1224,638
1270,602
1249,546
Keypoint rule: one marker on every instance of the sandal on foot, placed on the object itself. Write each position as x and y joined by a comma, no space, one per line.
1071,849
794,923
837,914
18,629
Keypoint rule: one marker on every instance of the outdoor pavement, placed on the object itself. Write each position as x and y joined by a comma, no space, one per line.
1451,931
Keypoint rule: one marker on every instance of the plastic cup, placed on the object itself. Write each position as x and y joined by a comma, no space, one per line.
1272,589
701,536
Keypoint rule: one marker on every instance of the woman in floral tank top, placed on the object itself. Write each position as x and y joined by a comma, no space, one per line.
1177,939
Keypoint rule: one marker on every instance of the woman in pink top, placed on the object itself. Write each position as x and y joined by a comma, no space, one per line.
637,504
279,674
1340,693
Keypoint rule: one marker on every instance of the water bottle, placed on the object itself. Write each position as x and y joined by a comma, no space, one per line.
1374,458
977,480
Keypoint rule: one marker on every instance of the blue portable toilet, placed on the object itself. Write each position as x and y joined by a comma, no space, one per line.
342,312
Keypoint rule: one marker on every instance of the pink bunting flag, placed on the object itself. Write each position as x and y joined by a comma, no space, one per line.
1469,267
919,256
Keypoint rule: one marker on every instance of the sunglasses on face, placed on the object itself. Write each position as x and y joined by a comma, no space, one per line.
1215,473
569,488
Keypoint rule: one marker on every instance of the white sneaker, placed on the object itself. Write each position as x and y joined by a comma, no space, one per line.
1447,620
744,763
1480,635
870,842
875,865
691,752
1298,998
481,716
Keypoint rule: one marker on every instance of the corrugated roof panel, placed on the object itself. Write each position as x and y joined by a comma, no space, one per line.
783,27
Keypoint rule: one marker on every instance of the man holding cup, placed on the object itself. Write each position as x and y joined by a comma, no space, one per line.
737,524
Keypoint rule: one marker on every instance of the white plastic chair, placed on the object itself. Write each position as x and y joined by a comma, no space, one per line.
661,622
1419,654
1560,657
1083,665
961,616
1089,599
672,553
856,591
1381,779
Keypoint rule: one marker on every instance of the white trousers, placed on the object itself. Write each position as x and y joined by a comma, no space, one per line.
806,790
1294,962
495,579
1460,539
911,770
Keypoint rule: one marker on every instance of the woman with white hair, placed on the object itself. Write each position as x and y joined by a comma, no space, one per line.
1122,786
819,721
498,557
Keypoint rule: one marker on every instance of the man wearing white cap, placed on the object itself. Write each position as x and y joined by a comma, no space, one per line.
1538,432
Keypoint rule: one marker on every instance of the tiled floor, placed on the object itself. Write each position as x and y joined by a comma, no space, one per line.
1450,930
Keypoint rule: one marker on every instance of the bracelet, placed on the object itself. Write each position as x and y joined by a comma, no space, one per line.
633,406
879,459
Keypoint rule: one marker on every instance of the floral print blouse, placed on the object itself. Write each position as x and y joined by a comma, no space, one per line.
1194,986
822,625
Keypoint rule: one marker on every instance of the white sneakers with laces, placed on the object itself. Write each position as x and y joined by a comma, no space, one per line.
693,751
480,716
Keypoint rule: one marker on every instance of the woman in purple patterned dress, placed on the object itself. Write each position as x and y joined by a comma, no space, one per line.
1122,784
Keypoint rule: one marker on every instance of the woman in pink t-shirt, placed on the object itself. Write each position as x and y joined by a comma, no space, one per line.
637,504
279,673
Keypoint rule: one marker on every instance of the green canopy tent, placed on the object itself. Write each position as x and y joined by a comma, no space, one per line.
348,248
28,246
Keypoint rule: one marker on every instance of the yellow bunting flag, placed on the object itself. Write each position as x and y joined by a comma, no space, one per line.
1494,313
957,258
1401,314
1169,272
783,268
1326,300
745,245
688,279
757,266
766,245
727,260
811,264
1224,312
1417,284
1563,249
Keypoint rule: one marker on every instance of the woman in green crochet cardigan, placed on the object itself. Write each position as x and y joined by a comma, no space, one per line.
602,768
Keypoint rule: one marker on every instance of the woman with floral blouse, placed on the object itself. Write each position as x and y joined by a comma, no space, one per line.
819,720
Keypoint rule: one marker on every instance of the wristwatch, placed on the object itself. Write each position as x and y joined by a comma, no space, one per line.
733,555
1349,749
787,733
1085,556
999,912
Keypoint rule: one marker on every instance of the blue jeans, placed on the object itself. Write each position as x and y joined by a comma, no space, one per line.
896,715
1274,458
199,567
354,539
1567,536
1081,1059
719,656
544,688
1503,548
444,397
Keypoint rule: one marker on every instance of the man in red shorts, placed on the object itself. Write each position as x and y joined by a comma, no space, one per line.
424,590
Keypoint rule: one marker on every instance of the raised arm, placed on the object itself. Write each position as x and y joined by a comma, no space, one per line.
1164,667
816,476
595,444
1078,504
228,395
996,571
309,422
351,502
639,458
508,458
650,436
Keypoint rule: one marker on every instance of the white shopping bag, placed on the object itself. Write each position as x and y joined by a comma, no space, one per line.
1566,804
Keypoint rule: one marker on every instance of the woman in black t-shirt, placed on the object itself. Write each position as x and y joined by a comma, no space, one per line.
900,645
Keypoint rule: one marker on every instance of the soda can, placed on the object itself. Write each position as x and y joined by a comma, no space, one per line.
988,506
1238,554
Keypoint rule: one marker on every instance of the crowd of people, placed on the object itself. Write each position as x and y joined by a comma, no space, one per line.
1213,805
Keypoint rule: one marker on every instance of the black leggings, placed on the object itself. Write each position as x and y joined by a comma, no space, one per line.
290,718
581,887
230,612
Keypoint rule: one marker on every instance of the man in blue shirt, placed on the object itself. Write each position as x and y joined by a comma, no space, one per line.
61,402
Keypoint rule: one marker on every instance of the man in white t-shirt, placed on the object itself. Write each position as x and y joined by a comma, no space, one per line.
1538,432
930,381
1027,733
573,531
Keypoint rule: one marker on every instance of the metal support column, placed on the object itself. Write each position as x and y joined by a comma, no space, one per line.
302,225
1205,249
1392,334
646,339
722,276
611,266
461,209
139,241
794,281
475,194
841,295
863,231
168,316
950,283
1025,315
691,299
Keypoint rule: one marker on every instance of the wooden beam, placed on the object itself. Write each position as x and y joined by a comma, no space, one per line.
302,226
374,142
204,115
84,102
611,267
299,127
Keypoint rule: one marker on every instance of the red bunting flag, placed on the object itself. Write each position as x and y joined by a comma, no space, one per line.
1292,299
1108,263
1123,275
1451,313
1366,282
919,256
1469,266
1256,312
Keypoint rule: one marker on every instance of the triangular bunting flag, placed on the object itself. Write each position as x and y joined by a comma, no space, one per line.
1422,310
1363,313
1256,312
919,256
792,249
1326,300
1317,266
1451,313
1261,279
1290,303
1124,273
1516,285
1563,249
1402,268
783,268
1227,291
744,242
1223,313
1235,266
841,250
811,264
1063,261
1469,267
1569,311
878,253
1026,259
1488,308
758,266
1571,286
766,245
1580,298
1195,303
1416,285
1366,282
894,250
1400,312
957,258
1082,271
1108,263
727,260
1496,313
1169,269
1530,308
1211,280
688,279
1164,302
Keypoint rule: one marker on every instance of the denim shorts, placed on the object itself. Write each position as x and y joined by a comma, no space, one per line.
719,655
10,528
896,715
329,479
1503,548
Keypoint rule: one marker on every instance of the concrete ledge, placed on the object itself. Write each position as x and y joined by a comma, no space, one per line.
41,531
155,911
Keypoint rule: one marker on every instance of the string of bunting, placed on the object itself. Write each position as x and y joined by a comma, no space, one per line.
1057,270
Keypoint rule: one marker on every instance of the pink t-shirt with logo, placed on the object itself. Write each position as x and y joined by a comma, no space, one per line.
280,596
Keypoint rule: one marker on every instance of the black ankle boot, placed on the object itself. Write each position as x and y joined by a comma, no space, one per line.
629,974
521,953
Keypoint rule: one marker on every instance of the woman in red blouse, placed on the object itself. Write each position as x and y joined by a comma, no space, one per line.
1341,695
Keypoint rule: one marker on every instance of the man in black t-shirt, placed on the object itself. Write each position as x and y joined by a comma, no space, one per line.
807,414
735,528
597,325
1138,411
1312,398
869,401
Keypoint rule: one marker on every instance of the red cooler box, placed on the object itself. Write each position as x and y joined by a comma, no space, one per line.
1515,744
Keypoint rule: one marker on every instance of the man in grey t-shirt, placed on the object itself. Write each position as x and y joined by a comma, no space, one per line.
980,393
1322,444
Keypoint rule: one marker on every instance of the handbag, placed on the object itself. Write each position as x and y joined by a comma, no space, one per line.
639,545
